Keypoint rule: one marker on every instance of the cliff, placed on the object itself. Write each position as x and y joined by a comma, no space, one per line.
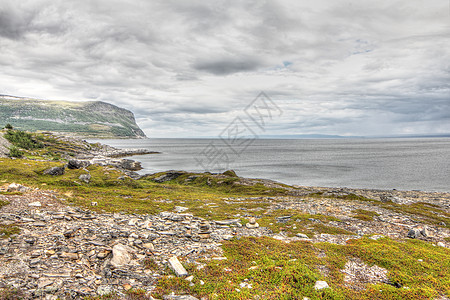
94,119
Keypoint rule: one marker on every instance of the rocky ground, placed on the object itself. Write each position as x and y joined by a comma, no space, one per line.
67,252
4,145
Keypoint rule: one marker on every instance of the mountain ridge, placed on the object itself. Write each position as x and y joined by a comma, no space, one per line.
88,119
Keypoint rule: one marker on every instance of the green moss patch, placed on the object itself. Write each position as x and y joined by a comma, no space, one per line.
278,270
364,215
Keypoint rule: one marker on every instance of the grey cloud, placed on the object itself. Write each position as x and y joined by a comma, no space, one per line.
226,66
13,22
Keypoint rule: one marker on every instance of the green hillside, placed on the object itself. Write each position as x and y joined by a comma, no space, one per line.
92,119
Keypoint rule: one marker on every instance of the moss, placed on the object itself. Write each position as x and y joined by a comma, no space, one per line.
11,294
230,173
278,270
6,231
150,264
364,215
3,203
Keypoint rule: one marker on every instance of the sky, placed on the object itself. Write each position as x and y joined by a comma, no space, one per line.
190,68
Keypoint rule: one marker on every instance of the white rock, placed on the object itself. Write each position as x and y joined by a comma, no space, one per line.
15,187
35,204
321,285
149,246
441,244
255,225
302,236
121,255
132,222
104,290
177,267
179,209
227,237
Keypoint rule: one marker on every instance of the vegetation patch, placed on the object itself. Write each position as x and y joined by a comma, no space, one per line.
11,294
6,231
22,139
364,215
269,269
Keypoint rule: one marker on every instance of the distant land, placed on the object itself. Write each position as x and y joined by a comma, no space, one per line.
326,136
92,119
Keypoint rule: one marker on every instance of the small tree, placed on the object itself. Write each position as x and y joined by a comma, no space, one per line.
9,126
15,152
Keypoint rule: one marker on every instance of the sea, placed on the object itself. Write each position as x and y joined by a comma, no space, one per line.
389,163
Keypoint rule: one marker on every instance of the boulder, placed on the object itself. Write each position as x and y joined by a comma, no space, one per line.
121,255
321,285
131,165
171,175
77,164
55,171
15,187
85,178
252,223
414,233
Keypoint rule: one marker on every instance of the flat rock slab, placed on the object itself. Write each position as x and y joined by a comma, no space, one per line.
181,297
177,267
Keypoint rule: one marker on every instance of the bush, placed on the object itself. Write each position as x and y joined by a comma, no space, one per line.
8,126
22,139
15,152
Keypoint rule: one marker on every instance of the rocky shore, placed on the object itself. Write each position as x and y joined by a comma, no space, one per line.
62,251
67,252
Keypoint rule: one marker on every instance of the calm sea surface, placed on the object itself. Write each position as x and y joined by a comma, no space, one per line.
404,164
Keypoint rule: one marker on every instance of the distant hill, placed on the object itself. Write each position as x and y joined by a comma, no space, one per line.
94,119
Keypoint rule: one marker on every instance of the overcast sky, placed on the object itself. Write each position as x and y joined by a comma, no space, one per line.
188,68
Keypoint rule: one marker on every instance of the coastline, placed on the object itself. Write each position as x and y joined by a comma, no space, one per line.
96,229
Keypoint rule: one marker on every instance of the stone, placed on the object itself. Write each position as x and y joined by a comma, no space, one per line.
425,232
302,236
168,176
103,254
204,227
69,255
77,164
15,187
180,209
121,255
149,246
227,222
177,267
441,244
321,285
252,223
131,165
86,178
283,219
179,297
55,171
104,290
35,204
414,233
